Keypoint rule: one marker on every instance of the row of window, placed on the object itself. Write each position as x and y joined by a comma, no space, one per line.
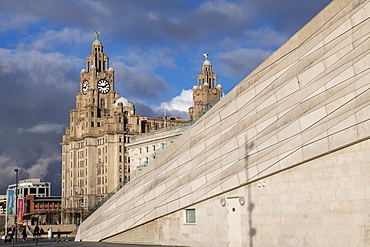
146,149
40,206
33,191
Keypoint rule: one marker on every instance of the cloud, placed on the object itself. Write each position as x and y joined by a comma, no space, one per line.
181,102
178,106
11,21
223,8
35,67
239,63
154,57
264,38
3,160
41,167
51,38
139,80
37,158
7,174
43,128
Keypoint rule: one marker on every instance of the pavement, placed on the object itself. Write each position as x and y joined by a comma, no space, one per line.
69,242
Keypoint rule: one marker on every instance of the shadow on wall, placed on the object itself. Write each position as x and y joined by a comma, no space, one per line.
252,231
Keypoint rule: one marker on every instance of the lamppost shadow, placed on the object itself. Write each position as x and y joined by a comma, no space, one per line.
252,231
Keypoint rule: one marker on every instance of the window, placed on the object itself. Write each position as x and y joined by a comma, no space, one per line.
32,190
190,215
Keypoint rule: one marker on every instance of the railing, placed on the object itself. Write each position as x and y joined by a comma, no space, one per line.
156,153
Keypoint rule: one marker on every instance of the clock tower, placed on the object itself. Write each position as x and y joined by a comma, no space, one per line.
93,152
95,160
206,90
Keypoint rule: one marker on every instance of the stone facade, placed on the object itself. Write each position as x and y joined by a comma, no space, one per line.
94,161
143,146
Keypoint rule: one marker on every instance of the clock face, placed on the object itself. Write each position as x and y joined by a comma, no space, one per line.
103,86
85,87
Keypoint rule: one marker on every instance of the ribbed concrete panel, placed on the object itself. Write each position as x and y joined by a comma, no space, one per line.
308,99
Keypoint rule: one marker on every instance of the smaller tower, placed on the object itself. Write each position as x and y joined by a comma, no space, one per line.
206,90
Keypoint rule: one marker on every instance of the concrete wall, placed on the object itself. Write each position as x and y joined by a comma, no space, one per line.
323,202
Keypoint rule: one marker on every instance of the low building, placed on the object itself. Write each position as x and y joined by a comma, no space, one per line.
2,204
31,186
36,195
42,210
142,147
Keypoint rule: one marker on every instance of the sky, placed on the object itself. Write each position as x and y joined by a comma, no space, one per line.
154,46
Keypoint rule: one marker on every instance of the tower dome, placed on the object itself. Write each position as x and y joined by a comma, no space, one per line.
206,62
122,100
96,42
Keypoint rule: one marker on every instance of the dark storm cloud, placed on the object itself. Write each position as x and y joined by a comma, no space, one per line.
287,16
156,21
139,81
37,92
241,62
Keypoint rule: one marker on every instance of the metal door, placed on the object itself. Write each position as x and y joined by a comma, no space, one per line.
234,222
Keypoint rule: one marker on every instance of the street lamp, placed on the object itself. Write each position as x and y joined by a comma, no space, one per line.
16,204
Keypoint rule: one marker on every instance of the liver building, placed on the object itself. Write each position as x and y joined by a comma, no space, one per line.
94,158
